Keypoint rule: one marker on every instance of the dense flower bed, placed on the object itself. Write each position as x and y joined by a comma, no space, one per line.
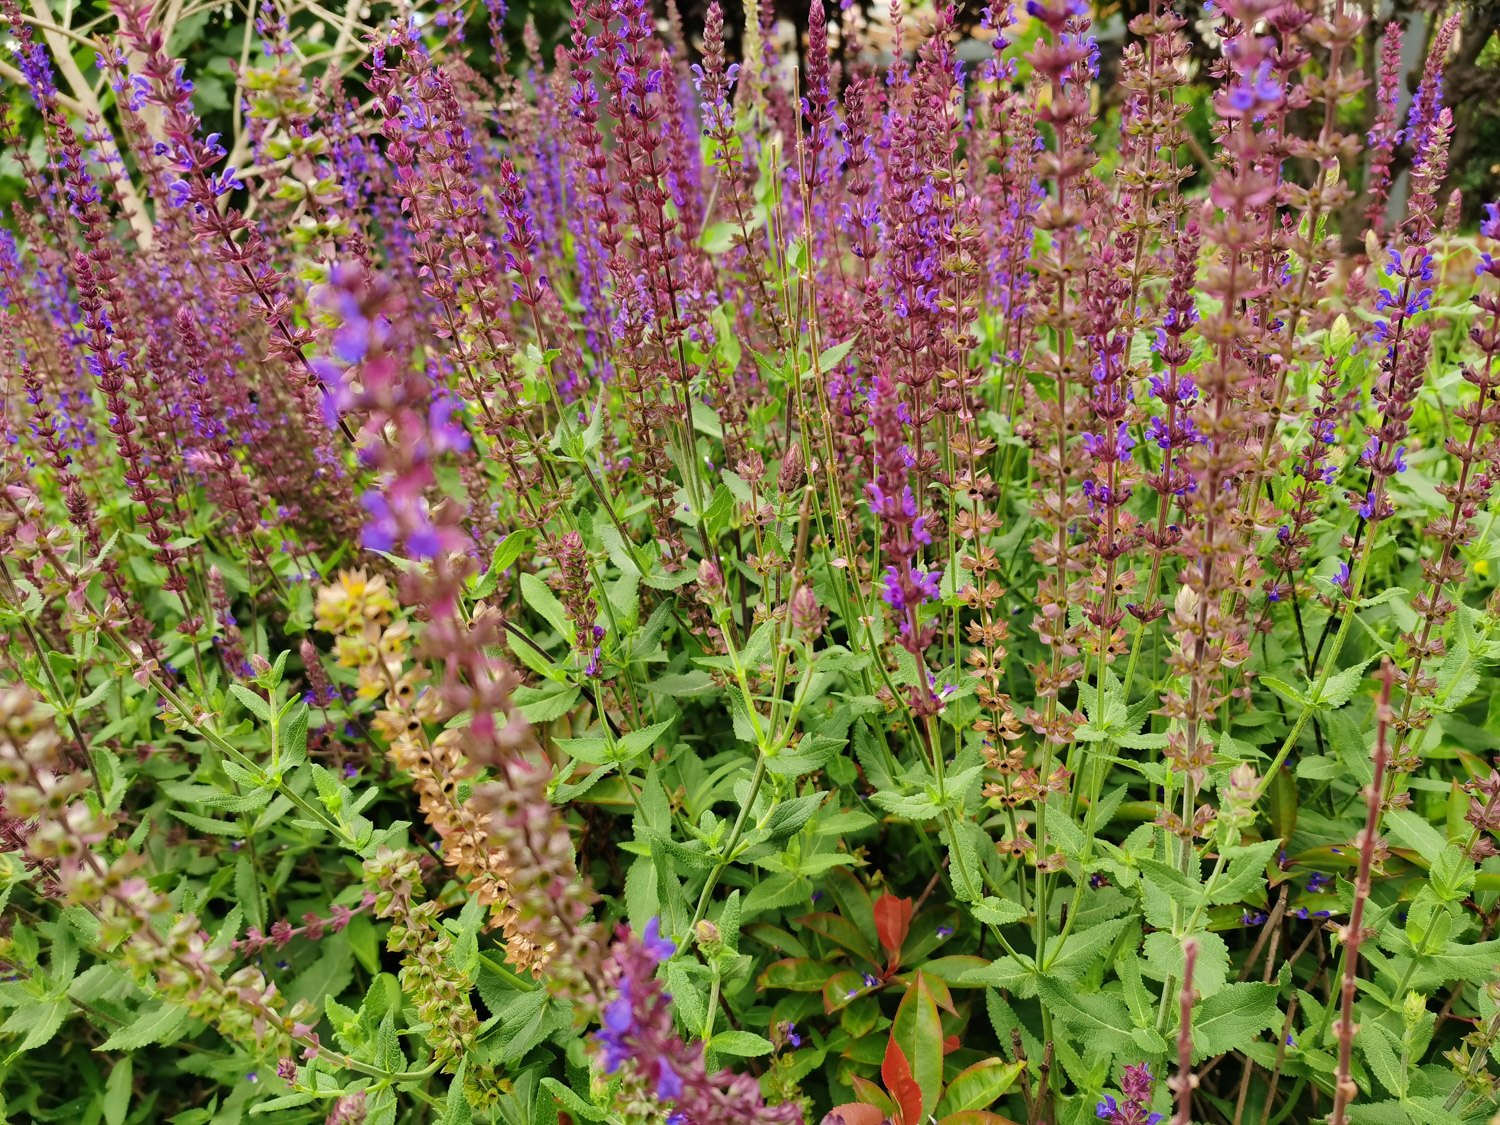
653,588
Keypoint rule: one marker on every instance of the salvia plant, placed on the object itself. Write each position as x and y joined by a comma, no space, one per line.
637,587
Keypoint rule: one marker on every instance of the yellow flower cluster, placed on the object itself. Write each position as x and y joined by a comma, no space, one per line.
358,611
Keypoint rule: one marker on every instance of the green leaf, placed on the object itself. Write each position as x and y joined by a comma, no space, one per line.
1015,975
329,975
1165,959
639,741
718,237
1233,1017
38,1023
1164,877
843,823
746,1044
594,751
1458,675
572,1102
1380,1050
507,551
998,911
812,753
247,891
1098,1014
914,808
954,969
618,551
1341,687
660,579
1283,689
459,1112
544,602
854,902
117,1092
572,791
1451,875
388,1053
294,738
152,1024
839,930
789,816
286,1101
796,974
706,421
253,702
1246,872
1077,955
978,1086
683,684
871,758
1408,830
544,705
209,824
1137,997
363,943
831,357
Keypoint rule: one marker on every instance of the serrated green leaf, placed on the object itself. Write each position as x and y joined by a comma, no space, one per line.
155,1023
253,702
1233,1017
541,599
745,1044
36,1023
572,1102
1101,1016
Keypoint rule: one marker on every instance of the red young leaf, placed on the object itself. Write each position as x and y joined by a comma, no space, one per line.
903,1088
892,921
950,1044
918,1031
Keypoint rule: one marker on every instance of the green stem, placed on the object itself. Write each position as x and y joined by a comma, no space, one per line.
735,833
521,984
1328,665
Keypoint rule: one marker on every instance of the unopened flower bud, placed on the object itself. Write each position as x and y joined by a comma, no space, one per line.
1453,212
710,581
259,664
1239,797
1186,602
709,938
807,615
793,469
1414,1010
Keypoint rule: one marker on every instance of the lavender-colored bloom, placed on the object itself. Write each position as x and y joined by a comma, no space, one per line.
1341,578
637,1029
1136,1086
656,945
